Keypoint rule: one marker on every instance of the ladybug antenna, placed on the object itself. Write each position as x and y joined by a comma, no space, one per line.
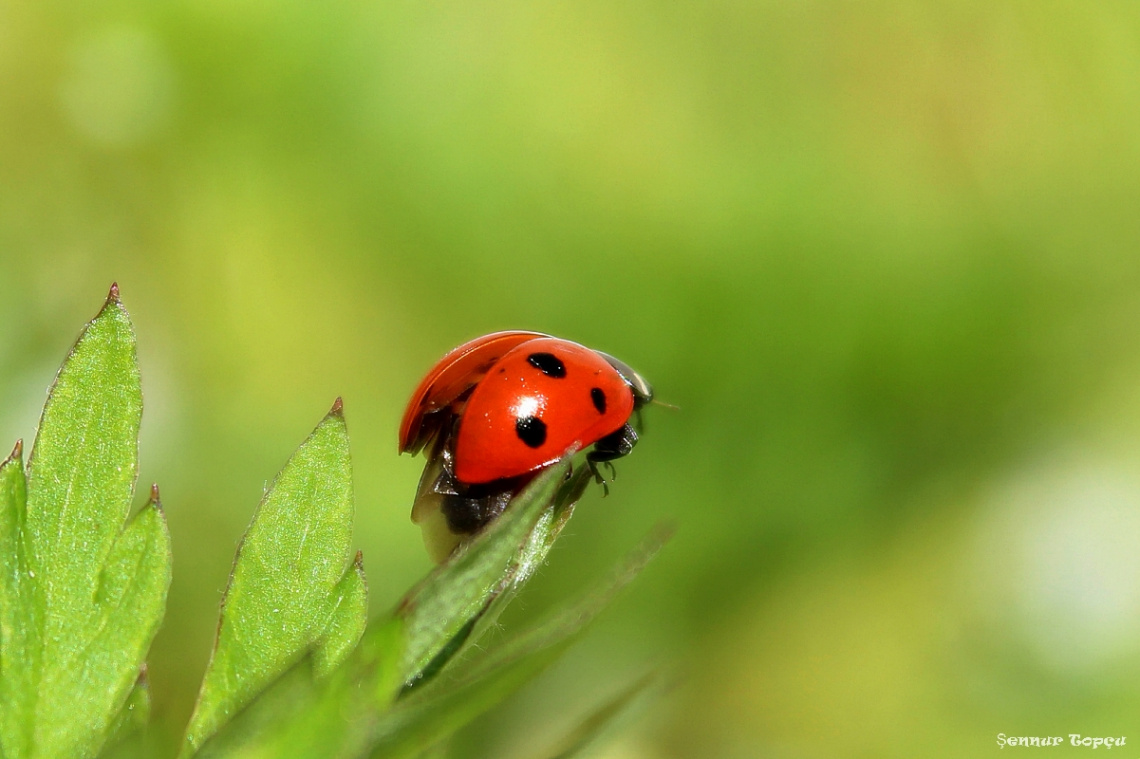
669,406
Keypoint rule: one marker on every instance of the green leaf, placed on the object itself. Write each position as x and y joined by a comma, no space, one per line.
430,717
13,501
602,718
267,725
442,614
439,709
355,710
18,617
337,717
300,715
83,596
347,620
134,715
289,590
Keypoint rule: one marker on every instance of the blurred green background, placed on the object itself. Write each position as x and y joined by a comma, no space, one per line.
885,257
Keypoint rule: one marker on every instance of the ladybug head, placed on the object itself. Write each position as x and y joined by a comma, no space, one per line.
642,390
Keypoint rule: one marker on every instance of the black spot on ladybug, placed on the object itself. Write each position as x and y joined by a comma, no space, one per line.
531,430
598,396
548,364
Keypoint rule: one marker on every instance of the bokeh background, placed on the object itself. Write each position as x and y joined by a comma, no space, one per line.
884,256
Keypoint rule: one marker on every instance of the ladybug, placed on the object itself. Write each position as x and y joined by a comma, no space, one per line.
497,410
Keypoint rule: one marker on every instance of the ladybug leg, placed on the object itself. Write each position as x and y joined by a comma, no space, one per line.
598,478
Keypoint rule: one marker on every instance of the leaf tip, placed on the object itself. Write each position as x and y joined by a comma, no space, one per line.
155,499
113,303
358,560
17,451
337,407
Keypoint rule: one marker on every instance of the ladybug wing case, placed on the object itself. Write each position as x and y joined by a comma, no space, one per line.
454,374
540,399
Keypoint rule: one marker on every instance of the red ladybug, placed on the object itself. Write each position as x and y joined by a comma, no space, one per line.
495,411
